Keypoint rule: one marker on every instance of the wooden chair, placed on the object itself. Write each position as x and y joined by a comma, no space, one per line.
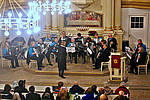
5,61
143,66
33,62
104,64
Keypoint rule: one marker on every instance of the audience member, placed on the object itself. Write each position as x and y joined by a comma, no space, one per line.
16,96
103,97
94,89
89,95
62,95
6,92
32,95
21,88
121,96
76,89
122,88
47,95
107,89
100,92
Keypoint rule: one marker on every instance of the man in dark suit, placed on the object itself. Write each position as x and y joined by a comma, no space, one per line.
62,57
76,89
112,43
102,56
31,95
138,58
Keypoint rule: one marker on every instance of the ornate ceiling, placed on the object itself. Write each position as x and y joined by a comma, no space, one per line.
125,3
136,4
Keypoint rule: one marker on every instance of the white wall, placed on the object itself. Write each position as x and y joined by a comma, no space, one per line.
134,35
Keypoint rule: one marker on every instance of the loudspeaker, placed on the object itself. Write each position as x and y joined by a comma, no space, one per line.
125,43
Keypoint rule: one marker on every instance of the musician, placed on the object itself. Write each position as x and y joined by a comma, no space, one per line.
138,58
102,56
48,41
65,38
7,54
62,57
112,43
142,44
33,54
91,45
97,39
63,41
80,47
31,39
72,54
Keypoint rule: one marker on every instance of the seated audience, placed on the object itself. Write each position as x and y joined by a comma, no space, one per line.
76,97
89,95
21,88
94,89
100,92
103,97
76,89
32,95
6,92
107,89
47,95
122,88
57,88
16,96
62,95
121,96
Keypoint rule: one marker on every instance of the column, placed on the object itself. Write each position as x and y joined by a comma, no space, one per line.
108,15
117,25
48,21
55,21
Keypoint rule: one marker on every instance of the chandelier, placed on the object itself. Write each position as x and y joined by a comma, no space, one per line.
12,19
61,6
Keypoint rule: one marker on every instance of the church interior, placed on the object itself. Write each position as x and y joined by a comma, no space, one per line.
101,47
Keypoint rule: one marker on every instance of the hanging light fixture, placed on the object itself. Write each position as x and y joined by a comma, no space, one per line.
12,19
62,7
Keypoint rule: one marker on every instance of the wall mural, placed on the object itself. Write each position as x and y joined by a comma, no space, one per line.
83,18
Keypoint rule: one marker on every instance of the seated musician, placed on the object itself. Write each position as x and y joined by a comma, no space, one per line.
80,47
112,43
97,39
142,44
48,41
138,58
7,54
91,48
72,54
48,38
33,55
102,56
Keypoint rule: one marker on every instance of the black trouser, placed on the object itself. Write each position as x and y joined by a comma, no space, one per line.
61,71
13,59
48,56
73,55
133,66
98,62
93,58
38,59
82,53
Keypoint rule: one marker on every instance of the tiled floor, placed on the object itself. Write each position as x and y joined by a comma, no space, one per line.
139,84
